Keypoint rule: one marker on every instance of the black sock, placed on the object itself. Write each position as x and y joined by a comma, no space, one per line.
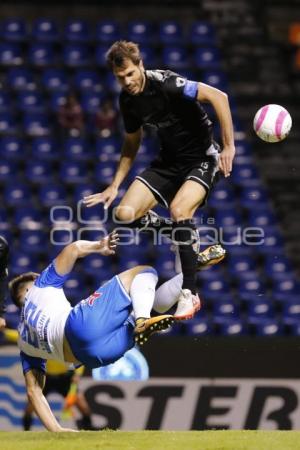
27,422
152,222
184,234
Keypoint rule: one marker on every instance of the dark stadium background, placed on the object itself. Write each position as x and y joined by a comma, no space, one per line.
250,324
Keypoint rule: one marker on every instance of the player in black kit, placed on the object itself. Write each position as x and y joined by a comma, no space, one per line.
182,175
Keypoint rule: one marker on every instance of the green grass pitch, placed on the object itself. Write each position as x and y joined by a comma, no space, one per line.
152,440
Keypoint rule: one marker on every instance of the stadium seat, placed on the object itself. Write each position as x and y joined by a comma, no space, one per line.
165,265
245,175
294,328
231,327
100,53
17,194
291,311
224,310
52,195
216,290
20,78
108,149
140,32
57,99
14,30
77,31
45,148
104,172
55,80
261,217
8,171
28,218
107,31
242,148
32,241
41,54
10,54
45,30
39,172
90,102
277,267
8,124
4,101
60,236
253,197
36,124
98,266
258,309
23,262
202,32
148,55
285,289
76,288
215,78
223,195
4,220
174,57
76,148
170,32
227,217
240,264
12,315
198,326
251,289
272,241
268,327
87,81
73,172
30,101
76,55
207,58
12,148
82,190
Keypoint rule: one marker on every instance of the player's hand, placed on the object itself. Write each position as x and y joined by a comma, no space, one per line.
108,244
106,197
2,323
226,159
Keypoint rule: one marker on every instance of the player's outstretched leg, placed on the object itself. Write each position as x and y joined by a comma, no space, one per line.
210,256
145,327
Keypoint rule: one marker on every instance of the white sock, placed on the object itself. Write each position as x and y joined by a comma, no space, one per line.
166,295
142,292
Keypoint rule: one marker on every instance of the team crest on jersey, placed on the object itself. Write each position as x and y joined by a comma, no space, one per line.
92,298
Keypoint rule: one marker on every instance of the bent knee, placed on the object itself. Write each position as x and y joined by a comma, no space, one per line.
125,213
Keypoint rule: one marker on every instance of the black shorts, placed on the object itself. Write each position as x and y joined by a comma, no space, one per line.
58,383
164,180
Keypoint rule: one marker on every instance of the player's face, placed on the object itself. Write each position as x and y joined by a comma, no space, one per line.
131,77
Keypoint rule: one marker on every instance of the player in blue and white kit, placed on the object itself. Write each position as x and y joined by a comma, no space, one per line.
98,330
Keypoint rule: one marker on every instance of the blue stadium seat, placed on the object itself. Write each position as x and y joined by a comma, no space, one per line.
127,260
21,262
104,172
96,216
8,124
55,80
253,197
240,264
76,288
28,217
12,315
225,309
10,54
207,58
87,81
148,55
17,194
14,30
57,99
4,101
8,171
52,195
215,78
199,326
77,31
170,32
231,327
32,241
98,266
251,289
227,217
258,309
36,124
202,32
294,328
261,217
107,31
73,172
140,31
20,78
82,190
100,53
277,267
45,148
45,30
165,265
268,327
39,172
216,290
223,195
242,148
174,57
245,175
41,54
138,168
285,289
272,242
291,311
5,224
30,101
76,148
76,55
59,238
108,149
90,102
112,84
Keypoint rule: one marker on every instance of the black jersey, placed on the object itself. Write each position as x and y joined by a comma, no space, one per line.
168,103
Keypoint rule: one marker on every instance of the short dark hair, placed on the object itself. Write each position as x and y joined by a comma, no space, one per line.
120,51
16,285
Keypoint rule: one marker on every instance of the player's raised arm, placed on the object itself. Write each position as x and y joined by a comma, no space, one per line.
219,101
130,148
35,380
65,261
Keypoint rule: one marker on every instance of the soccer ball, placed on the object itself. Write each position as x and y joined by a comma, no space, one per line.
272,123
